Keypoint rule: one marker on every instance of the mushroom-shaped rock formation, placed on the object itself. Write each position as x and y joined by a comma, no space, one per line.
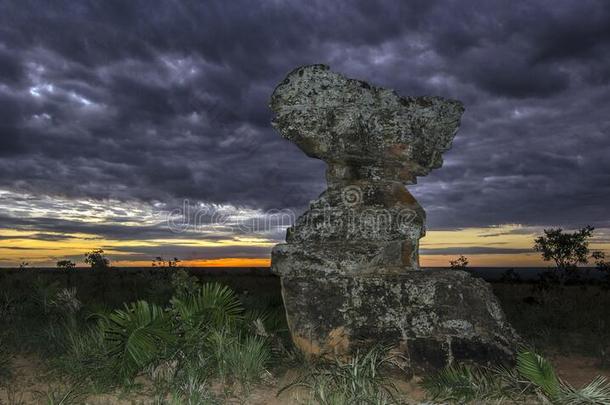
363,132
350,267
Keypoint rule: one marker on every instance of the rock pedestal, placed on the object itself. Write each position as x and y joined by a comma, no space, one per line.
350,267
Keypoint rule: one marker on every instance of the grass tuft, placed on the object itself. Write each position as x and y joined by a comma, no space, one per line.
62,395
533,377
356,381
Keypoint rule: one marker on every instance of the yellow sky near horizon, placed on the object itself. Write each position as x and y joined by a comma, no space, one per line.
503,246
50,228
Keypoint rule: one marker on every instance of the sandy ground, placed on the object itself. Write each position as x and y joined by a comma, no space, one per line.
578,370
30,383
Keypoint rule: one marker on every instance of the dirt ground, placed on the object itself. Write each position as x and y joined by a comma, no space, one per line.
578,370
30,383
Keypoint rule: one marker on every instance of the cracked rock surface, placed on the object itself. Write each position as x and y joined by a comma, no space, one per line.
350,265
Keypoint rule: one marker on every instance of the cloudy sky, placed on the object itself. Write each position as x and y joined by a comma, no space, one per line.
117,115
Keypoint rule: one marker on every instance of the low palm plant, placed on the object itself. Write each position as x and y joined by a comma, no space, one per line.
66,302
213,307
541,373
201,336
44,293
532,376
597,392
136,335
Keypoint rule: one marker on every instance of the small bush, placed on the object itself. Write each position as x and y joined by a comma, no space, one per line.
461,263
43,294
184,285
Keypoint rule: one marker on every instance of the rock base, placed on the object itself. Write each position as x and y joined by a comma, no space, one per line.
431,317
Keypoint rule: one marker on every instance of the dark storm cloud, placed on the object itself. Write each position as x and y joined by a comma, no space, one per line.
49,237
68,228
24,248
167,101
114,231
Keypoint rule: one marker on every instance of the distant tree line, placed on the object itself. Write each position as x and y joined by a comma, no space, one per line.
567,250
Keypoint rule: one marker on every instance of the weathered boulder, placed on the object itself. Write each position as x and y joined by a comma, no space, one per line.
350,268
361,131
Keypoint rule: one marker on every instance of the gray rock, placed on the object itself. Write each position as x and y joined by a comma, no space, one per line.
432,317
350,267
363,131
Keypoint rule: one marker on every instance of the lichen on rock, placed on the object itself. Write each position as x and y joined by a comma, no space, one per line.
363,131
350,268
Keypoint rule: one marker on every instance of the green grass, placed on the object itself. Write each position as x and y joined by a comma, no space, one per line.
136,336
464,383
358,380
246,360
183,336
532,381
569,319
6,370
62,395
181,343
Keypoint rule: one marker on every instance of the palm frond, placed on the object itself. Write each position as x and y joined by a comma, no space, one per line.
213,306
540,372
137,334
597,392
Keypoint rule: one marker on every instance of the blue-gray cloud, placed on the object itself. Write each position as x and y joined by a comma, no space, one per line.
162,101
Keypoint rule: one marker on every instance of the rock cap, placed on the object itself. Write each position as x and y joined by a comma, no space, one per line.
363,131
